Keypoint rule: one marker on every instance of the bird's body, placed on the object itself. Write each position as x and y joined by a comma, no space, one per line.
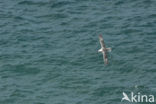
103,49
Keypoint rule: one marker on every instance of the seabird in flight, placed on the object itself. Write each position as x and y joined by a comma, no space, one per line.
103,49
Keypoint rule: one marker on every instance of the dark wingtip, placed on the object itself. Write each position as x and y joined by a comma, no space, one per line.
100,35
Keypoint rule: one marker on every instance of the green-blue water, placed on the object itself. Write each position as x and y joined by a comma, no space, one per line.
48,50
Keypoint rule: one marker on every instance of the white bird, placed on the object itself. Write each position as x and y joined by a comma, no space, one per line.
103,49
125,97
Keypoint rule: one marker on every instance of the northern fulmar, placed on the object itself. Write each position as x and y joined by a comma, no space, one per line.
103,49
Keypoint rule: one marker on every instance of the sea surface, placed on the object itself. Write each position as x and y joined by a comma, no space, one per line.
49,51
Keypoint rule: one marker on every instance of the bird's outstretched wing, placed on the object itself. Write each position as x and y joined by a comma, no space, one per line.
105,58
102,42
